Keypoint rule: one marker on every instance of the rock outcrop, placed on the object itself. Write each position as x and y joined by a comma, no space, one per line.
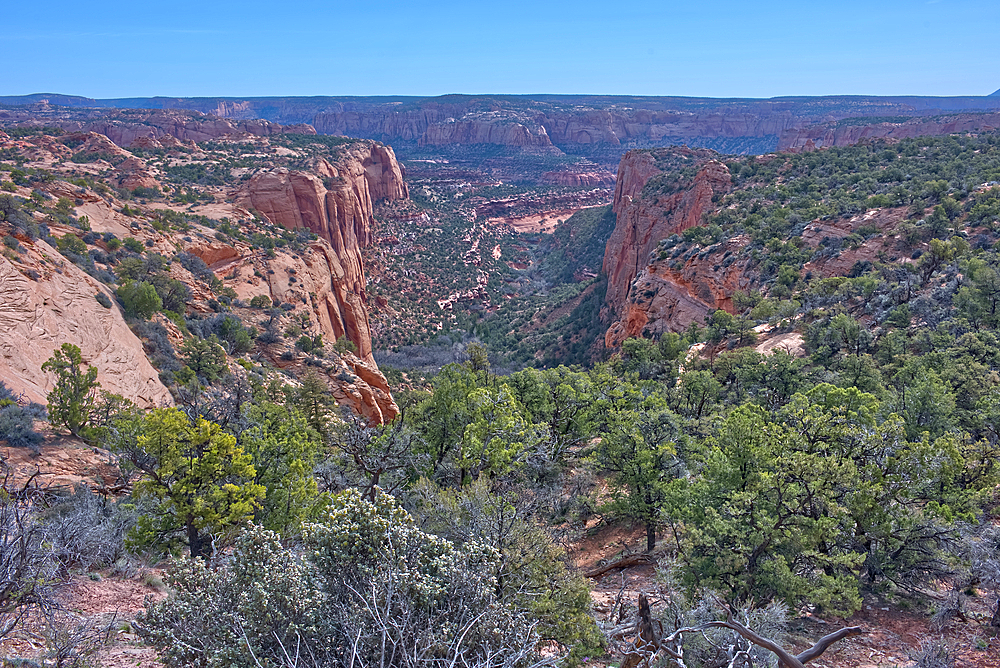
317,279
668,296
644,220
567,177
488,131
47,302
334,201
132,174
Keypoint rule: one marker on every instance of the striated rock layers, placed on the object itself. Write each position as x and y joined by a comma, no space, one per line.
161,127
844,134
458,124
476,131
335,202
644,219
668,296
318,279
37,315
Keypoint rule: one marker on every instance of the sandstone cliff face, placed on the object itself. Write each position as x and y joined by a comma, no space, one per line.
39,315
594,177
407,126
145,128
834,134
665,298
616,126
487,131
644,221
319,280
335,202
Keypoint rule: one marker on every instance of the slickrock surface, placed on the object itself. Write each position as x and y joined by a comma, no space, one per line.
39,315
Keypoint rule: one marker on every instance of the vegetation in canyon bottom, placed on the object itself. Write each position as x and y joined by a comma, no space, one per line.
767,484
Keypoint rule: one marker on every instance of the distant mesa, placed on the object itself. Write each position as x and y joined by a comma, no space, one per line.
599,127
995,93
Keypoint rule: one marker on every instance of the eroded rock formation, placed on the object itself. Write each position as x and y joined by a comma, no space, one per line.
335,202
47,302
644,220
666,297
844,134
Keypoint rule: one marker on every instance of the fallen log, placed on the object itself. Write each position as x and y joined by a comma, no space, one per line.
625,562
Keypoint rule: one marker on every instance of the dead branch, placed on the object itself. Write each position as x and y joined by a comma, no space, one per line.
650,641
620,565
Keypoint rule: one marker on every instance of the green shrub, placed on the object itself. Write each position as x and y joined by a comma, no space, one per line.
260,301
70,243
133,244
139,299
369,584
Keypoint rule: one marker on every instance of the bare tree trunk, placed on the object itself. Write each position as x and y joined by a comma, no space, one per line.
650,641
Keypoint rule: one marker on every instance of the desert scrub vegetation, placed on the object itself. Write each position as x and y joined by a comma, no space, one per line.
370,588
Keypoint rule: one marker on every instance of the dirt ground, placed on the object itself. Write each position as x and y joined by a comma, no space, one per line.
108,602
893,633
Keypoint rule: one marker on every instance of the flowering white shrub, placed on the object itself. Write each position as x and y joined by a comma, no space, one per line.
369,588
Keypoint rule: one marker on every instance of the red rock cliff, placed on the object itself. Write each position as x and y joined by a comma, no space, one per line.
136,127
835,134
644,221
334,200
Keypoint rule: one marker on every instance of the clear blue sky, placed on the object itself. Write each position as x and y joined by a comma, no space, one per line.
367,47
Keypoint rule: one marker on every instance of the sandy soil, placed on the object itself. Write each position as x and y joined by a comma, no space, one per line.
544,222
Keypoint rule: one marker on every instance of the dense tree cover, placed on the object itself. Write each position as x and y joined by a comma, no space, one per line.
371,589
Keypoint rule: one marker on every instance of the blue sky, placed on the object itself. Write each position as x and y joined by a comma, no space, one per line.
719,49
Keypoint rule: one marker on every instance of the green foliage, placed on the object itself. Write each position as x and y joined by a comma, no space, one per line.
70,243
639,447
802,501
103,299
260,301
205,358
577,245
284,451
17,419
370,586
139,299
313,398
133,244
75,393
201,482
533,573
344,345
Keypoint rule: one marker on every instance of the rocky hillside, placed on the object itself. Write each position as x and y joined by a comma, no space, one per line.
696,233
648,212
248,241
850,131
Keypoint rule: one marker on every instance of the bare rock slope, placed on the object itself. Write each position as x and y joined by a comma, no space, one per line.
37,315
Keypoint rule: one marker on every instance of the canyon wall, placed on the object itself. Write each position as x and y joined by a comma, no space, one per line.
644,220
145,128
458,125
335,201
844,134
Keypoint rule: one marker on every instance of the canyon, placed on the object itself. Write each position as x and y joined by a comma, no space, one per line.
48,300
